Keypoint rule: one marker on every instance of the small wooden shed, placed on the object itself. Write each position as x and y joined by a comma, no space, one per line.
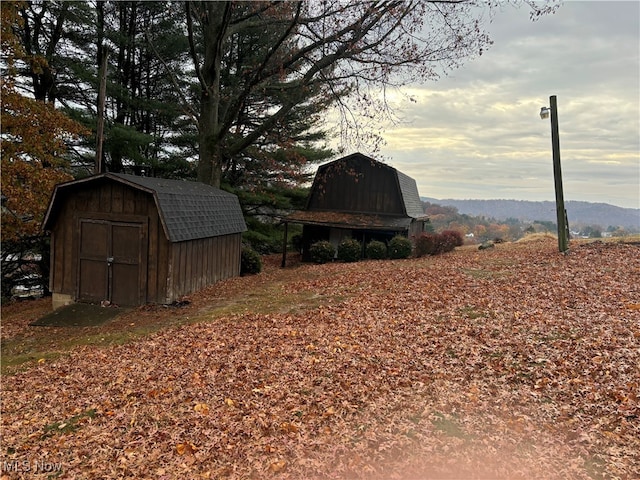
361,198
134,240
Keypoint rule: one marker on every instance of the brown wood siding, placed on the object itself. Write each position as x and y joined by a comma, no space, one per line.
198,263
113,202
171,269
416,228
163,276
63,247
369,189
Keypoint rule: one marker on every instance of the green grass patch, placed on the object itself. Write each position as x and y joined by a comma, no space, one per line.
23,351
479,273
269,300
449,426
68,426
472,313
595,467
19,352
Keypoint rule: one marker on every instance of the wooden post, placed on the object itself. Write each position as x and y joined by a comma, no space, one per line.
284,245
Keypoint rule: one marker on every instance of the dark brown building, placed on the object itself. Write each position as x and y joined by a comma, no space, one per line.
135,240
361,198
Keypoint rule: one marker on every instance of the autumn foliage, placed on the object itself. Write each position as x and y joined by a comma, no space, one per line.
32,160
34,142
437,243
510,363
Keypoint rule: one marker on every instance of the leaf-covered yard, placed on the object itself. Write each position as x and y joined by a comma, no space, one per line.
515,362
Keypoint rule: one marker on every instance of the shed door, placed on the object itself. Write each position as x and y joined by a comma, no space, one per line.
112,262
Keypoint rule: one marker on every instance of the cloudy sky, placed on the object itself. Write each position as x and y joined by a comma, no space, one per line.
477,133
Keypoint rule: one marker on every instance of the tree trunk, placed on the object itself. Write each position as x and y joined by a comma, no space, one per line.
210,154
218,15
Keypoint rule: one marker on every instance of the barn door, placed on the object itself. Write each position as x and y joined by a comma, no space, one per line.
112,262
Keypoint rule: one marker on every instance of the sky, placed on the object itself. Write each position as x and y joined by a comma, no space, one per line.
477,133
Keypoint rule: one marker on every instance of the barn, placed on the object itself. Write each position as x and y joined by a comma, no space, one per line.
134,240
361,198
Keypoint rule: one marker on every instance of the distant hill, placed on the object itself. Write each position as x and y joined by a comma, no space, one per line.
587,213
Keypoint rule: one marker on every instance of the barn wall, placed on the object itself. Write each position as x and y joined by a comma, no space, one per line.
371,187
196,264
416,228
61,277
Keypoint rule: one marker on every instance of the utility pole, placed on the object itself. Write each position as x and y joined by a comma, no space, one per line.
102,93
561,213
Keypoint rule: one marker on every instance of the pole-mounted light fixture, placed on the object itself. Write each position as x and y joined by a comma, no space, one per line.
544,112
561,213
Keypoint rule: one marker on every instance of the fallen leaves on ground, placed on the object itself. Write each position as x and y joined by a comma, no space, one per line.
517,362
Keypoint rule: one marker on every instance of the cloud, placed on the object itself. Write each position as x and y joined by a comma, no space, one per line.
476,133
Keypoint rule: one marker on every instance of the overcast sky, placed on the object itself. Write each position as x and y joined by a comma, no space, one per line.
477,133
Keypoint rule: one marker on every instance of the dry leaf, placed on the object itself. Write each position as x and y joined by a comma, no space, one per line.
277,467
452,364
186,448
288,427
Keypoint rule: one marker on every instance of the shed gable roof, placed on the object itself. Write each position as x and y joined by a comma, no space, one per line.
188,210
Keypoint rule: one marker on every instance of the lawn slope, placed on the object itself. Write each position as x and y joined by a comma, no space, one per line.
515,362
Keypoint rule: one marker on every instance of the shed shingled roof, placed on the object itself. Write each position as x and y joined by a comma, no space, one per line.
188,210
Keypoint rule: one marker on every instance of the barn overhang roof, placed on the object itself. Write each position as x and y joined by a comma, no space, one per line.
352,220
187,210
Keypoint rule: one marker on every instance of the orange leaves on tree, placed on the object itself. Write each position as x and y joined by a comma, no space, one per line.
33,160
34,146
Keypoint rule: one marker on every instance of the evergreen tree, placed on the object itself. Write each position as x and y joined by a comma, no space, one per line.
262,65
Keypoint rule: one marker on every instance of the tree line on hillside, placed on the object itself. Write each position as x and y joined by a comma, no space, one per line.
581,214
233,94
478,229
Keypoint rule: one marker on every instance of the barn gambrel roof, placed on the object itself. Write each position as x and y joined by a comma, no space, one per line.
410,196
187,210
405,186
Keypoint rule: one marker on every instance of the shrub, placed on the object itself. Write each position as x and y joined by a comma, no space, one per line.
444,243
250,261
426,244
436,243
399,247
349,250
376,250
261,243
322,251
455,236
